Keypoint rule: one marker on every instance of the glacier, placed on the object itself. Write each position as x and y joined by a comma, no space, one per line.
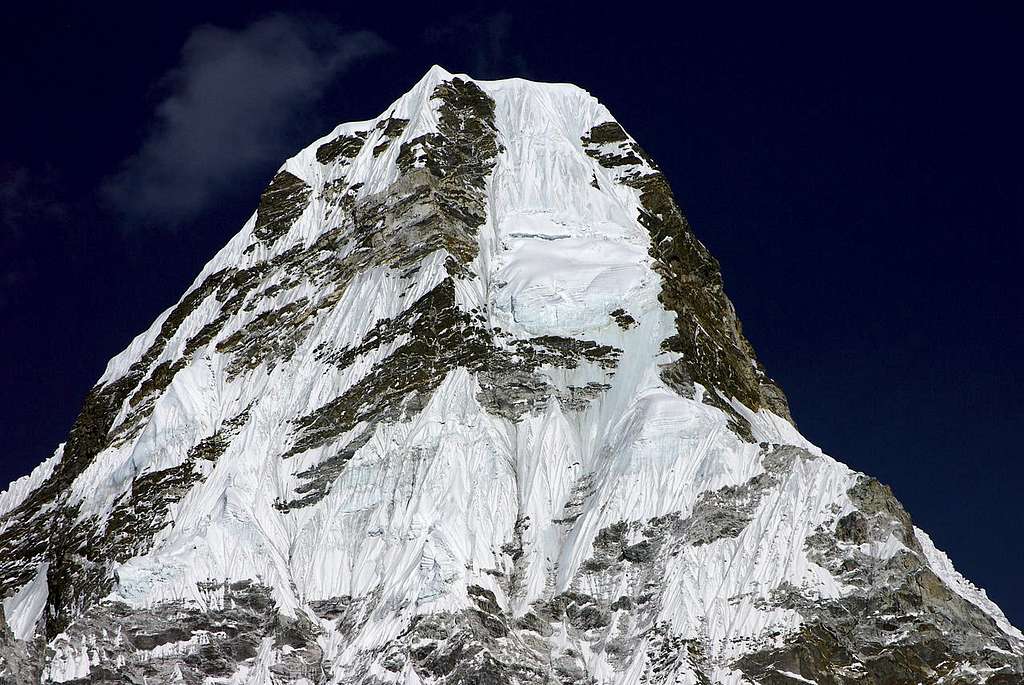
464,401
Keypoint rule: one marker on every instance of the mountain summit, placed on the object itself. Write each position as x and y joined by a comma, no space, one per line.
464,401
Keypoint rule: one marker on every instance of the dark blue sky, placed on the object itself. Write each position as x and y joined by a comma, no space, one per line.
858,176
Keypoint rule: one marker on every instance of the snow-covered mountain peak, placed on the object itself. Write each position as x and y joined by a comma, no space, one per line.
464,400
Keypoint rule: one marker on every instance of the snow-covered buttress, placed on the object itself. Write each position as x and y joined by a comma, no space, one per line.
465,402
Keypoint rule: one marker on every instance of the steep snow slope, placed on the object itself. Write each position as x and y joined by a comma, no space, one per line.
464,401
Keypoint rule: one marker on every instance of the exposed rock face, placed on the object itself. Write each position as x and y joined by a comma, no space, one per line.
709,335
465,402
900,623
280,205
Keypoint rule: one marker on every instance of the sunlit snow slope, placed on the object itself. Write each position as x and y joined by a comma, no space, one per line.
464,401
